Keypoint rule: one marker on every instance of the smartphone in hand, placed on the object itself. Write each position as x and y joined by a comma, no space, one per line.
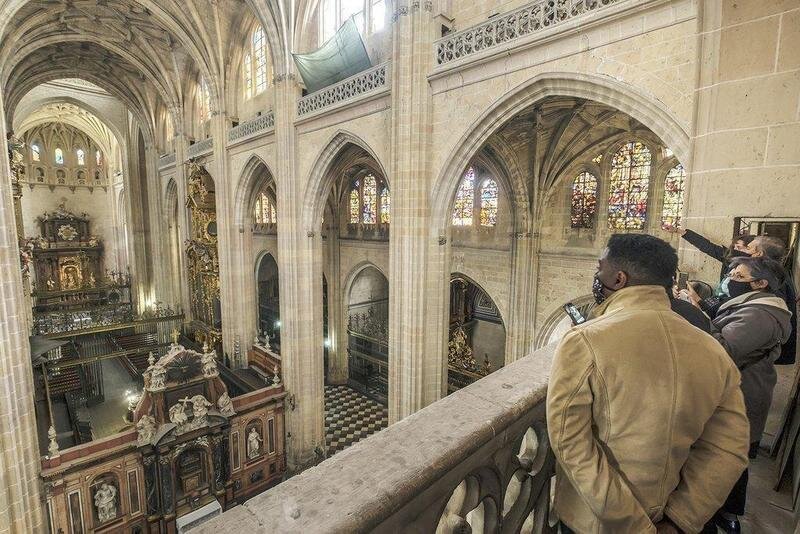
574,313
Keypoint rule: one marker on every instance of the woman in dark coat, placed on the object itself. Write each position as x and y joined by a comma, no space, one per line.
751,326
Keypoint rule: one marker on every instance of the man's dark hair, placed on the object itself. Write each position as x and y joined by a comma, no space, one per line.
772,247
763,268
647,260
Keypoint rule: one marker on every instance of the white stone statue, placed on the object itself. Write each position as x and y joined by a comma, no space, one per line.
146,428
253,444
225,405
257,341
158,378
210,365
200,406
105,499
266,339
53,448
177,414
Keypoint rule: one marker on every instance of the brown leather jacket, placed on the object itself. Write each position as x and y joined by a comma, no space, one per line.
645,417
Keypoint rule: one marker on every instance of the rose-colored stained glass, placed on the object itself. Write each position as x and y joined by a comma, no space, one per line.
370,200
488,213
674,186
628,187
584,200
386,205
465,200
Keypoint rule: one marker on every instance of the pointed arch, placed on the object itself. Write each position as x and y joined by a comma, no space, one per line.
604,90
321,179
253,177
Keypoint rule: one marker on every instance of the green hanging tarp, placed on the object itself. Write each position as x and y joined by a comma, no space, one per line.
342,56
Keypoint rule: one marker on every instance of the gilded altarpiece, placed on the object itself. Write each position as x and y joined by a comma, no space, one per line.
203,259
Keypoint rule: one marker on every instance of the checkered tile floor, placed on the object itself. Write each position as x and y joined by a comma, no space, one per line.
350,417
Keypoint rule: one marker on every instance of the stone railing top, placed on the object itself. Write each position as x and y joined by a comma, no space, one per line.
201,147
167,160
370,81
340,495
249,128
507,27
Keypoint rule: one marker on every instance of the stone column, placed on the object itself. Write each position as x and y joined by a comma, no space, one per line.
159,237
184,223
415,329
300,268
227,238
20,499
337,323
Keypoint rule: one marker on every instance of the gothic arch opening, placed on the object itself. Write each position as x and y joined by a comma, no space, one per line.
477,334
269,310
368,332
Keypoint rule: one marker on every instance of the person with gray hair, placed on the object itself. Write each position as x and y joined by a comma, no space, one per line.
751,327
771,247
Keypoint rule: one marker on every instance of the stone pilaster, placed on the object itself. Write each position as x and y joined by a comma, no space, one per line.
337,324
300,268
20,499
415,370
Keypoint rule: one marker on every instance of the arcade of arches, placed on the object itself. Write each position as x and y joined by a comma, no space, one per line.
214,277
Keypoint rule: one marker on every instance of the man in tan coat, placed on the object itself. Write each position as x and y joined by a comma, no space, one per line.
644,411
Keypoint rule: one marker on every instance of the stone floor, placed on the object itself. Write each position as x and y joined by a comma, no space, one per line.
768,511
350,417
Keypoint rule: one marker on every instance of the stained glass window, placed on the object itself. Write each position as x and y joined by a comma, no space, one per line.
488,213
260,57
370,203
584,200
81,156
673,196
630,178
264,211
354,204
598,158
386,202
465,200
35,153
59,156
98,157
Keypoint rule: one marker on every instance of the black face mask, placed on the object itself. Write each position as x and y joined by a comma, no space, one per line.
737,288
739,254
597,290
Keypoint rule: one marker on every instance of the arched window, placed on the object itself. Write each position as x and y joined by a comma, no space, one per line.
386,204
354,203
370,200
488,213
333,13
98,157
366,206
255,64
674,186
80,154
465,200
584,200
59,156
205,101
36,152
630,179
264,211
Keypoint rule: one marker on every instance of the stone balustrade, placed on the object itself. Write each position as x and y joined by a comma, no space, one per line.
201,148
252,127
508,27
167,160
479,459
369,82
